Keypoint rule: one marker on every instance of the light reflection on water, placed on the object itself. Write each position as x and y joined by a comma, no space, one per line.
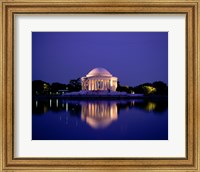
99,119
99,115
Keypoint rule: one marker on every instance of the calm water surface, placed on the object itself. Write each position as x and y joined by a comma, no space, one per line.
59,119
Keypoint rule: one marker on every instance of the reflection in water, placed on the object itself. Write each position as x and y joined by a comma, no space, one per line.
99,115
59,119
50,102
150,106
155,106
66,107
56,102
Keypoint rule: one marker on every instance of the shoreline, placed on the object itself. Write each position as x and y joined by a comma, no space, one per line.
102,97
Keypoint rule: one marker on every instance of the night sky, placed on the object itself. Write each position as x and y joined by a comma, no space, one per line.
133,57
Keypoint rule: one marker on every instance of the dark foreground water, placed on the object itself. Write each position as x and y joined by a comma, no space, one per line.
59,119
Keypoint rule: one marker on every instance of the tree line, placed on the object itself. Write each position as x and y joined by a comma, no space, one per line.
40,87
155,88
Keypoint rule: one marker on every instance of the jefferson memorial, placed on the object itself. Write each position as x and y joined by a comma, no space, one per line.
99,79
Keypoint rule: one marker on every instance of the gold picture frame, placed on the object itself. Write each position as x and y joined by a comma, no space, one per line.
10,8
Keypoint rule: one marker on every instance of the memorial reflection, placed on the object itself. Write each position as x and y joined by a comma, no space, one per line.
96,113
99,114
73,107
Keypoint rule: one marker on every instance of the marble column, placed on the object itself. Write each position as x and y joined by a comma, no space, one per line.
106,84
92,85
95,84
89,84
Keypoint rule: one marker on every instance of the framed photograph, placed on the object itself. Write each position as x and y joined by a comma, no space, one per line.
98,98
99,85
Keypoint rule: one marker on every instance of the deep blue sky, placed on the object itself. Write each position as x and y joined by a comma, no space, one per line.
133,57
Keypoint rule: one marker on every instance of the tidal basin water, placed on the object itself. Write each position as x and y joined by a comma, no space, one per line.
61,119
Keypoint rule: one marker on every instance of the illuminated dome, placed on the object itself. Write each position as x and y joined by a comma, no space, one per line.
99,79
99,72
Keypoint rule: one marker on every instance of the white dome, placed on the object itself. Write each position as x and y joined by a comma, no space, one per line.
99,72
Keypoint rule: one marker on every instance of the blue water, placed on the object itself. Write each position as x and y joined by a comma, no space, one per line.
59,119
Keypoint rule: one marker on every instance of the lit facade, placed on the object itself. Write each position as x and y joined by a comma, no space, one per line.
99,79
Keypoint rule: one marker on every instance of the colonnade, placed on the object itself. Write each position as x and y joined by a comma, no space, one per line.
95,84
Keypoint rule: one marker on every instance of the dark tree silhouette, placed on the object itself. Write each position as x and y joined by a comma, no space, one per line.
161,88
55,87
74,85
40,87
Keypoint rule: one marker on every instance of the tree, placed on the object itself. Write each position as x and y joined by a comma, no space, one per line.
55,87
161,88
140,88
40,87
156,88
126,89
149,90
74,85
